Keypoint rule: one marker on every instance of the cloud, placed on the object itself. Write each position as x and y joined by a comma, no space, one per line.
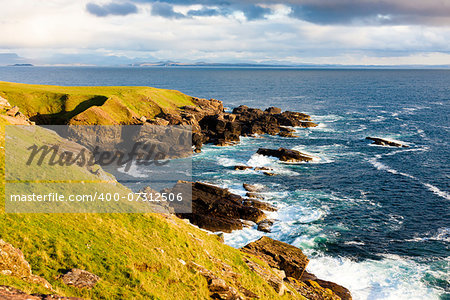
165,10
113,8
206,12
429,12
254,12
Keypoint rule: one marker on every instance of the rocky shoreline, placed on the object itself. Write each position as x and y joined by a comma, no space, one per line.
218,210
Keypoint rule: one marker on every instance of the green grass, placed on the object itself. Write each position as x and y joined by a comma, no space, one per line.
136,255
91,105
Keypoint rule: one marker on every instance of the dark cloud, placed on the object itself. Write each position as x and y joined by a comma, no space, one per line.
434,12
206,12
254,12
114,8
165,10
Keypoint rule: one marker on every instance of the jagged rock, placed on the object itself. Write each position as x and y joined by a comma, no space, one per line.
286,155
385,142
265,225
271,277
339,290
263,169
254,195
216,209
254,188
259,204
269,173
286,132
241,168
219,288
279,255
311,289
13,263
10,293
80,278
273,110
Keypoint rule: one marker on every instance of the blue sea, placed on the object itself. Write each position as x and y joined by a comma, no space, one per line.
374,219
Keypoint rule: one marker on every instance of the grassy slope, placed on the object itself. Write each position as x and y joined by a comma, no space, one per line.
136,255
92,105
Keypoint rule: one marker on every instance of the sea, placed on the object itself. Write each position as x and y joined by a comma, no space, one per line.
374,219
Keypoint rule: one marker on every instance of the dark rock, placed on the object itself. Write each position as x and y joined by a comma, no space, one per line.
259,204
286,132
269,173
265,225
241,168
216,209
384,142
273,110
279,255
254,195
80,278
286,155
262,169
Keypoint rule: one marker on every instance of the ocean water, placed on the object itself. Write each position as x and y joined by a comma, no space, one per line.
374,219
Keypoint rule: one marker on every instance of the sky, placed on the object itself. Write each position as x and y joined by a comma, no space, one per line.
116,32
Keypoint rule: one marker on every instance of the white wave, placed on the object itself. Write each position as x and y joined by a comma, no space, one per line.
437,191
382,167
442,234
227,162
135,171
390,278
258,160
354,243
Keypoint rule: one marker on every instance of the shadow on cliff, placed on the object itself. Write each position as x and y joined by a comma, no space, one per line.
64,116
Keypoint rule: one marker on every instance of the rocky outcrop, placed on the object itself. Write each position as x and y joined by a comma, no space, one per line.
286,155
293,262
10,293
80,279
216,209
210,124
339,290
279,255
12,114
385,142
13,263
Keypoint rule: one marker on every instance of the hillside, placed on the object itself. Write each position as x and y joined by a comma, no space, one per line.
91,105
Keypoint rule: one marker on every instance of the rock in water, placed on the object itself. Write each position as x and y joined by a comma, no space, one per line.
216,209
385,142
286,155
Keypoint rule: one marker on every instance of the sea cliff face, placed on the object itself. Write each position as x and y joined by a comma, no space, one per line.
151,255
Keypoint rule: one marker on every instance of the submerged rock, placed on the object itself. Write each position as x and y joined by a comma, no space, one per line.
286,155
385,142
265,225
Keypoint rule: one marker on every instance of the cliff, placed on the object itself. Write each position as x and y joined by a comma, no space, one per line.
112,256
